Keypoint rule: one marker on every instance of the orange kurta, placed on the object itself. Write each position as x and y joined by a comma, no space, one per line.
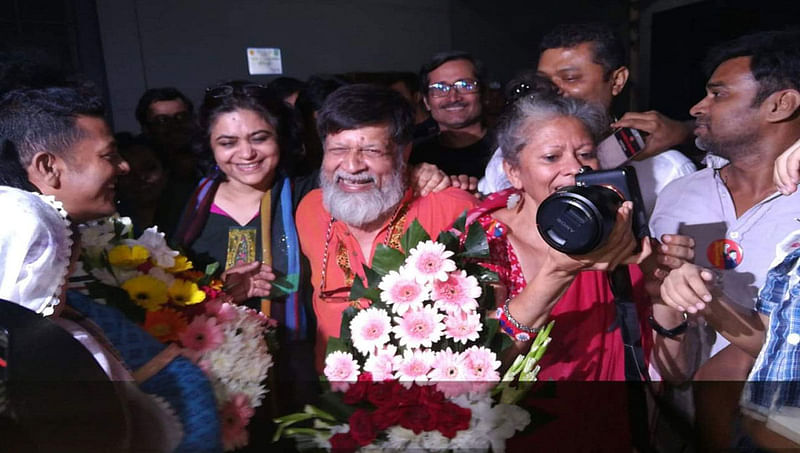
435,212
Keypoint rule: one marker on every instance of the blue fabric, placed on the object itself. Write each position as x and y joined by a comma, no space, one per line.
775,378
182,384
295,319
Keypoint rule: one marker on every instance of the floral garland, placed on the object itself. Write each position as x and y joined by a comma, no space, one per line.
419,367
158,288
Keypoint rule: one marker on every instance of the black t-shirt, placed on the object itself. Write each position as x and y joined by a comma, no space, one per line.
470,160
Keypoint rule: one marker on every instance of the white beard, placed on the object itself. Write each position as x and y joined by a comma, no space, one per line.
364,208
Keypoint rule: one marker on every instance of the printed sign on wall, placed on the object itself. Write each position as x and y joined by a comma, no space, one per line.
264,60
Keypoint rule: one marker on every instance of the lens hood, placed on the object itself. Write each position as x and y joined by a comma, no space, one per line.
577,219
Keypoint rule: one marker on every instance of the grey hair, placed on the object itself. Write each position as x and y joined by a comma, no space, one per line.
532,111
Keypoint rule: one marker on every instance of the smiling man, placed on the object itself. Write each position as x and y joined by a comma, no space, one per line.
364,198
66,147
452,84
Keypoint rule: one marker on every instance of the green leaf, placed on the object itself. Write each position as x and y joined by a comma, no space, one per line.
481,273
386,259
212,268
476,245
449,240
336,344
358,291
413,236
461,222
331,402
373,278
490,328
284,285
344,331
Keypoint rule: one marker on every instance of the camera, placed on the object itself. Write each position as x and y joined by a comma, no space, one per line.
578,219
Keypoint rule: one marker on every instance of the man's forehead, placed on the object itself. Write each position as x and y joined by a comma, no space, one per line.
453,70
168,107
561,58
373,133
732,71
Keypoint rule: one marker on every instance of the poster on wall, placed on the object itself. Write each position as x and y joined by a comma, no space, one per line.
264,60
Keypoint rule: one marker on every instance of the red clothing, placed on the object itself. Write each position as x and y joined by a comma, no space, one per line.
586,346
435,212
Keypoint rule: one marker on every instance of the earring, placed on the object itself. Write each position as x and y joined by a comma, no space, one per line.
513,200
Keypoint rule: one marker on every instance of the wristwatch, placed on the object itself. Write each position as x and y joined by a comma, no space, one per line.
669,333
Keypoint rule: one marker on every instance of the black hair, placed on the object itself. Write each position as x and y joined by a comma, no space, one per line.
359,105
529,82
159,94
283,87
38,120
316,90
442,58
11,171
409,79
774,63
245,95
607,49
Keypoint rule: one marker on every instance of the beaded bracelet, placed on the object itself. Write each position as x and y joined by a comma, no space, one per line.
512,327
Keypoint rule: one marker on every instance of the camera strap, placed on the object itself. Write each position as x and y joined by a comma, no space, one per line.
636,374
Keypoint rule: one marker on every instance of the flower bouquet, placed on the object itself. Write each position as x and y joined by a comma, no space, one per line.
417,364
157,288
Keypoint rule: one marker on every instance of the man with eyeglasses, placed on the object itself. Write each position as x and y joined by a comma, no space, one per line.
365,199
452,84
166,117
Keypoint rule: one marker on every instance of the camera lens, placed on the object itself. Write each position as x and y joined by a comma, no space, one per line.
576,220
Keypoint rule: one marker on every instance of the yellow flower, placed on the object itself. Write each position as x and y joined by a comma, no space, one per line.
185,292
128,257
148,292
181,264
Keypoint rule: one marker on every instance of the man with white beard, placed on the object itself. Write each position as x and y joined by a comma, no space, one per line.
364,198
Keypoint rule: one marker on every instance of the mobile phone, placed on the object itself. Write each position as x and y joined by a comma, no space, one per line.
619,147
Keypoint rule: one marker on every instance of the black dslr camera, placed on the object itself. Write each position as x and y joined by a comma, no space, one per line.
577,219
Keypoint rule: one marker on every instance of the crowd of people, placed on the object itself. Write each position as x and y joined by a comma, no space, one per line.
309,179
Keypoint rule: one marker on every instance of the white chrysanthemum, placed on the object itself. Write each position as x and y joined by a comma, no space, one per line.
401,290
462,326
414,366
429,261
155,243
383,363
370,329
458,291
421,327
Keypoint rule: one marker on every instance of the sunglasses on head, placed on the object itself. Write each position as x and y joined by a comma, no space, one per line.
249,89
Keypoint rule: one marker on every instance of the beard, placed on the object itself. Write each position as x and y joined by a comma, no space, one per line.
362,208
732,148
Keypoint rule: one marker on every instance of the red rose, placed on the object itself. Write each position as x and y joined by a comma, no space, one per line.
431,397
358,391
383,394
387,416
452,418
417,419
343,443
361,427
409,396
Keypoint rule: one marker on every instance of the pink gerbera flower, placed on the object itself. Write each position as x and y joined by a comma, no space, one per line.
341,369
402,291
429,261
202,334
414,366
457,292
481,365
370,329
462,327
448,372
382,364
421,327
235,415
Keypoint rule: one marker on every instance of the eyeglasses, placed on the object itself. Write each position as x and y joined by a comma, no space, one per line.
463,86
250,89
